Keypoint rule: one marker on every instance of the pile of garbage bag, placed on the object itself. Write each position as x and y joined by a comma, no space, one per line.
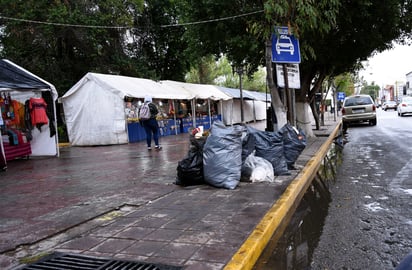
226,154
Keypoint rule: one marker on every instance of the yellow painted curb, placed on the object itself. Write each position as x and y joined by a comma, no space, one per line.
274,223
64,144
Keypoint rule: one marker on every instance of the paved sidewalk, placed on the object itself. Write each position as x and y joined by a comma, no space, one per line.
120,202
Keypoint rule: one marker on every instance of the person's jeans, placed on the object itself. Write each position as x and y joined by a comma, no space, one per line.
151,128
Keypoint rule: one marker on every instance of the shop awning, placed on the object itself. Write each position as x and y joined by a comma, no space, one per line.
124,86
199,91
13,77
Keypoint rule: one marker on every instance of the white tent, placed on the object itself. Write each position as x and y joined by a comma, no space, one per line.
254,106
22,85
199,91
94,107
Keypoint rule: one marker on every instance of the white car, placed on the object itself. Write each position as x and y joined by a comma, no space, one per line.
405,106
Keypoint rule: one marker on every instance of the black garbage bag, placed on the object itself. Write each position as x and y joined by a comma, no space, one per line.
294,141
269,145
190,169
248,144
222,156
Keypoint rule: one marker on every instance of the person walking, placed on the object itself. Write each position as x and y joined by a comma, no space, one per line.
147,117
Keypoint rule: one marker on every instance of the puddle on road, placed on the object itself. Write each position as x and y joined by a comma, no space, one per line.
295,248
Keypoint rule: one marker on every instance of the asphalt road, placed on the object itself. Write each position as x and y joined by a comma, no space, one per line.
369,221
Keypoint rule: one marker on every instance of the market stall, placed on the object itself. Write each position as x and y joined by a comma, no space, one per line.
206,104
101,109
28,110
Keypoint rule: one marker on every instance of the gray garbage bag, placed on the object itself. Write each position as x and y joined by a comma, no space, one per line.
222,156
269,145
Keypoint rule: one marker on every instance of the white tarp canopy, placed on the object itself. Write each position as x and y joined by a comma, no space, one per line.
22,85
122,86
94,107
199,91
254,106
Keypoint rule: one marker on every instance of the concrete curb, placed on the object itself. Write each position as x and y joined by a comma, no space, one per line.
274,223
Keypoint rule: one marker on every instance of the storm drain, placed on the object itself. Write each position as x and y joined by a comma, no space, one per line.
65,261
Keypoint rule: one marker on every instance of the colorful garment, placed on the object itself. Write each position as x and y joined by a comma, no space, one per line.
38,112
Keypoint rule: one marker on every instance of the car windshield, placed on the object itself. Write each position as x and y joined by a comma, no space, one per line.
407,100
357,101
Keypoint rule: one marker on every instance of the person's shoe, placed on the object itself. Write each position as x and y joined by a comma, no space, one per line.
149,148
158,147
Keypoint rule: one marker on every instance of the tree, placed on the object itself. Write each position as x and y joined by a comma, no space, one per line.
220,72
156,43
335,36
246,36
372,90
62,40
362,28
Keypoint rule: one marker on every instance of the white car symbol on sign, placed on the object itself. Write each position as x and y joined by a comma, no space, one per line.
284,44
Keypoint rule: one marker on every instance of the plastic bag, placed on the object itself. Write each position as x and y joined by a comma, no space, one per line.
294,141
248,144
257,169
190,169
269,145
222,156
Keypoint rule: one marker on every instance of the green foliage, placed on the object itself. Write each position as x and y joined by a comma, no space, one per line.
63,54
220,72
372,90
361,28
334,37
345,83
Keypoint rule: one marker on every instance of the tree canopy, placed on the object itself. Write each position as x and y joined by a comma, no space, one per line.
63,40
163,39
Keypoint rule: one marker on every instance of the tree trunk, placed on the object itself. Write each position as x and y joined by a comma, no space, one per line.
303,118
277,105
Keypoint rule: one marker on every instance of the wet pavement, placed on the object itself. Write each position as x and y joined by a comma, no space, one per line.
121,202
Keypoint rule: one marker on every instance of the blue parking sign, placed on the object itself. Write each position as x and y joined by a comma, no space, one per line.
341,96
285,47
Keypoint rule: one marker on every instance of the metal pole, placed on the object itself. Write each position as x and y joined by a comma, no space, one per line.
240,72
289,102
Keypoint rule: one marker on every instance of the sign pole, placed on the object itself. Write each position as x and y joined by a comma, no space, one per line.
289,102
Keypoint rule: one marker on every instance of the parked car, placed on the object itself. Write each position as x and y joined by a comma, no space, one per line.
390,105
405,106
358,109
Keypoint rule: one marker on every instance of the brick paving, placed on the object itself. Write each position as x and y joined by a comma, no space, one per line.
121,202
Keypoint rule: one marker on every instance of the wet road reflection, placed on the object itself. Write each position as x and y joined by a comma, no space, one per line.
295,248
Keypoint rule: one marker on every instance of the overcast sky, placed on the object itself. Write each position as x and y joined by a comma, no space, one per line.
389,66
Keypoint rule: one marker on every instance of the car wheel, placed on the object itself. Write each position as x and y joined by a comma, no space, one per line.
373,122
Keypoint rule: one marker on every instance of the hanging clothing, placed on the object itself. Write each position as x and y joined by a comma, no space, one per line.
38,113
3,163
18,109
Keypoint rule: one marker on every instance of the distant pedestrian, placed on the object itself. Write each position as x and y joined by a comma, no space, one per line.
147,117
